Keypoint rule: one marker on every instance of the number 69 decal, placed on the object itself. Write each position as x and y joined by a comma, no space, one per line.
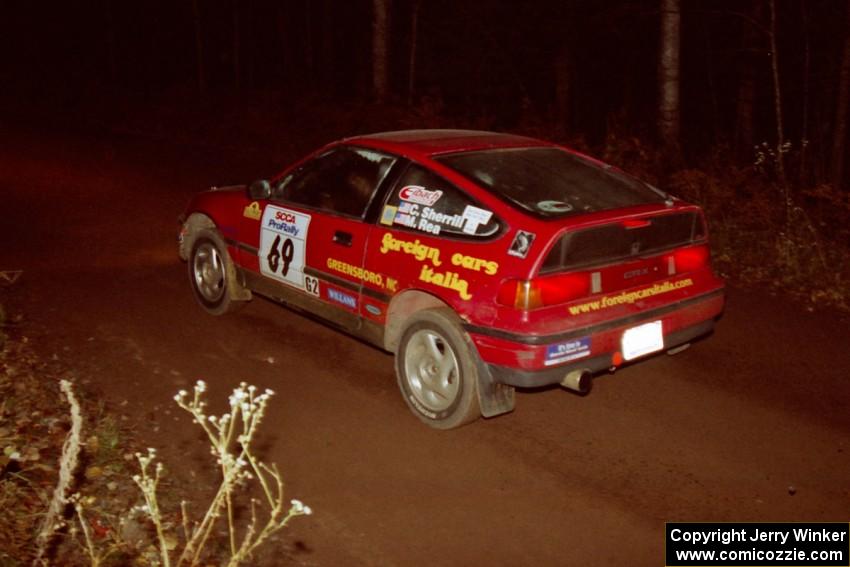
283,237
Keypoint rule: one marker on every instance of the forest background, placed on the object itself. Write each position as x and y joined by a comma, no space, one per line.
740,106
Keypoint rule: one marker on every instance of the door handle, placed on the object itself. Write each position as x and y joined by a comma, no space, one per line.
342,238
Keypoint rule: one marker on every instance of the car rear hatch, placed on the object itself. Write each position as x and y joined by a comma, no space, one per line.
631,251
613,268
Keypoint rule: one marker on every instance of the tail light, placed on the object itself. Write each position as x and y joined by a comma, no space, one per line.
690,259
541,292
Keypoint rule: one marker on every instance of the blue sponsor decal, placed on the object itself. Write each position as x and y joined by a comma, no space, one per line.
342,298
373,309
283,226
566,351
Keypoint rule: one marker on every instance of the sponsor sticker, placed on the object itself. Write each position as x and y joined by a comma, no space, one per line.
521,244
554,206
473,216
388,215
252,211
418,194
342,298
567,351
373,309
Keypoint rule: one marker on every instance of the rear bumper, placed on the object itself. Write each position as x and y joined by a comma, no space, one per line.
531,361
536,379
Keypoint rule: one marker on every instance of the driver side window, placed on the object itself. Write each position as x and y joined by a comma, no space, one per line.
341,180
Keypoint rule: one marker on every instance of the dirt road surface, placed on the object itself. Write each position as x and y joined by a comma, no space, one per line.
749,425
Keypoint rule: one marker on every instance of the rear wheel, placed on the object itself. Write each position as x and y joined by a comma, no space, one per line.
211,274
436,370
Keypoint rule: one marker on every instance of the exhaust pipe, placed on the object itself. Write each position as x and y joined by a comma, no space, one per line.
578,380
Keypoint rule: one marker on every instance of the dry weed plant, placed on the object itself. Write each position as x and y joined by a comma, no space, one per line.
230,436
70,453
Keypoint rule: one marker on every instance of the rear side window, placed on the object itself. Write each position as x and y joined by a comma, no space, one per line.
422,201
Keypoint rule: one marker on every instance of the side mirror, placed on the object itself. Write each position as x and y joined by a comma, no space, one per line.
259,190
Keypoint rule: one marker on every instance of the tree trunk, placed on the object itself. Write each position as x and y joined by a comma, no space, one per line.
199,47
668,75
563,88
327,60
251,45
842,104
236,38
751,43
110,42
807,60
380,37
411,67
777,98
309,60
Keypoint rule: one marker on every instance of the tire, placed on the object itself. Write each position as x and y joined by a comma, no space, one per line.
436,370
211,274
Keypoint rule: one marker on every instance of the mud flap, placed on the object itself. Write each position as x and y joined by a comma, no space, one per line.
494,398
236,287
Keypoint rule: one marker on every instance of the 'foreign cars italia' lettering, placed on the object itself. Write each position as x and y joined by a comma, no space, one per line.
449,280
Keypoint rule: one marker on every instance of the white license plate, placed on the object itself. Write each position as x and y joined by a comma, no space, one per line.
642,340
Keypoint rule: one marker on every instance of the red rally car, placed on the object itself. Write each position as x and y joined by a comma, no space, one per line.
483,261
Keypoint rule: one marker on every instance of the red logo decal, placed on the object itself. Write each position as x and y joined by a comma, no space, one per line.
285,217
417,194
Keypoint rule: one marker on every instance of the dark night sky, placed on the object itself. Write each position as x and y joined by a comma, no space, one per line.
479,56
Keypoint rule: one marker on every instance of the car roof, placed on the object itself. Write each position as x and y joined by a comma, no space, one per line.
434,141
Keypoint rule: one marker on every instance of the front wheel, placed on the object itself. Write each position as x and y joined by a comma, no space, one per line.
436,370
210,274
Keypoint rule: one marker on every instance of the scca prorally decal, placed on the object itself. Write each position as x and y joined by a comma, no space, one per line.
418,194
283,238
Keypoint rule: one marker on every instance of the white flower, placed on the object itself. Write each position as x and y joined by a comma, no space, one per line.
238,396
298,507
200,386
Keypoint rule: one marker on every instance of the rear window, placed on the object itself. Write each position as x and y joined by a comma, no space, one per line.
551,182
